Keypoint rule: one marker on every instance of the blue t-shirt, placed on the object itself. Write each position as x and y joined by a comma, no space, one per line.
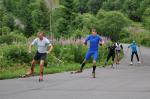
133,47
94,42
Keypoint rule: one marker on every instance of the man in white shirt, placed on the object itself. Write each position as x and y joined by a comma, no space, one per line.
44,47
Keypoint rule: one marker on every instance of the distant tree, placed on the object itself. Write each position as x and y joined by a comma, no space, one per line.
111,5
131,8
146,18
81,6
94,5
112,23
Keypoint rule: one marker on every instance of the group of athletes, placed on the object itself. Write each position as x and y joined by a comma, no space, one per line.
44,47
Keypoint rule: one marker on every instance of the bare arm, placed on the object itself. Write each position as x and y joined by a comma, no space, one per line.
50,47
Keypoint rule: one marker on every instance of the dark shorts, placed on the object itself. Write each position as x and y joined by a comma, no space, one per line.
111,55
40,56
118,51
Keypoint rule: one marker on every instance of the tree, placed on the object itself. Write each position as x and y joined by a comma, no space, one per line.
146,18
131,7
112,24
94,5
41,17
81,6
68,16
143,6
111,5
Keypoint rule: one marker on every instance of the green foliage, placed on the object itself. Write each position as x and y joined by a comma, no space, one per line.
41,17
94,5
4,31
14,54
142,38
145,4
81,6
111,23
110,5
12,38
146,18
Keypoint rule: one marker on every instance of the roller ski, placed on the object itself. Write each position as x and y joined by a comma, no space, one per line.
41,79
27,75
75,72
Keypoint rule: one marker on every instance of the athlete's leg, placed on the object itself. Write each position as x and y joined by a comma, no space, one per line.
108,57
113,58
94,68
36,57
31,71
87,57
33,65
132,57
41,69
95,56
82,65
118,56
137,56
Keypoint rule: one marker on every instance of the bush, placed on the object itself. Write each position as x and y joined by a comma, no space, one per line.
112,23
12,38
14,54
4,31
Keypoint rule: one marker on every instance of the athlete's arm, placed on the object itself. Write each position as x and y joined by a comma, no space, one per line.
121,46
31,44
86,40
50,47
129,46
101,42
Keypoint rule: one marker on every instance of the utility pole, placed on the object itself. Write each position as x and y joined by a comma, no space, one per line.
51,4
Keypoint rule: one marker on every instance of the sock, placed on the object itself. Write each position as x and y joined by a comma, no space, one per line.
94,68
82,65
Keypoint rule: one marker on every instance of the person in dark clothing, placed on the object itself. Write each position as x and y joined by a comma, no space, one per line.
111,54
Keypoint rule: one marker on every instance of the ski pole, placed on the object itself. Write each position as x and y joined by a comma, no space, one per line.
57,59
141,55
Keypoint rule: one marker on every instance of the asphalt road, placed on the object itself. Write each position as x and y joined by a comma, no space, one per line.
125,82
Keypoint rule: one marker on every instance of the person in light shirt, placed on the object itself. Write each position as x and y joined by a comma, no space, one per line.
44,47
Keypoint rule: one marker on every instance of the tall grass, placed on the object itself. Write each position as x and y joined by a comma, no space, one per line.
66,55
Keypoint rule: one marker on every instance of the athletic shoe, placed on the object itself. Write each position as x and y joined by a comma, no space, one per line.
139,62
131,63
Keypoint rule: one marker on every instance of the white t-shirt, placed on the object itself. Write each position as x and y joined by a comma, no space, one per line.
41,44
118,46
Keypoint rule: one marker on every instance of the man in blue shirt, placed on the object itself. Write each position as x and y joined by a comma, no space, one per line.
94,41
133,47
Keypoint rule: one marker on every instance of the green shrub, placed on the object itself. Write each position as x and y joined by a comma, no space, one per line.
12,38
10,55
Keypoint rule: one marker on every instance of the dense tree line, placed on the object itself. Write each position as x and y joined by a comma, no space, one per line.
74,17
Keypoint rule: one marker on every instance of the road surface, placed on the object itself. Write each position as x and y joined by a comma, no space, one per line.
125,82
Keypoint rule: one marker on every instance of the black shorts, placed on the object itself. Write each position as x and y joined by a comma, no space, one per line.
111,55
40,56
118,51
